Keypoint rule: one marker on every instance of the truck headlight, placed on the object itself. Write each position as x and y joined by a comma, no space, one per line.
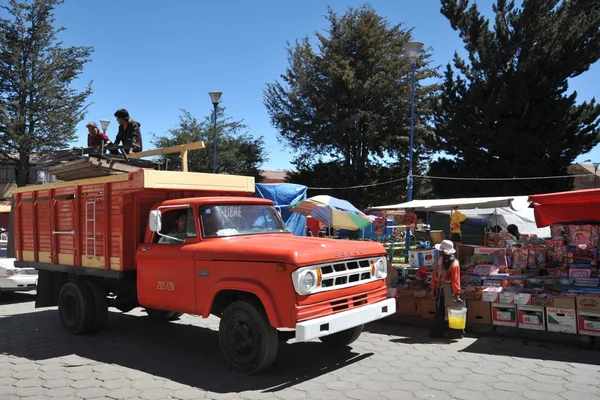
381,268
308,281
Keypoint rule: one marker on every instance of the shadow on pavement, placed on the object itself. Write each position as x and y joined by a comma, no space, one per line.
490,344
182,353
7,298
532,349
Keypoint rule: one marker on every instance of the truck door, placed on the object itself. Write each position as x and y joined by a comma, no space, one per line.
165,267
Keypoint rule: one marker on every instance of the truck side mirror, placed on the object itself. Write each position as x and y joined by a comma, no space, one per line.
155,221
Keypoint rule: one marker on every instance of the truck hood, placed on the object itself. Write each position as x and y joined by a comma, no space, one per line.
285,248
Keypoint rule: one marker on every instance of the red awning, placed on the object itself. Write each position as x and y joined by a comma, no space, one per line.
578,206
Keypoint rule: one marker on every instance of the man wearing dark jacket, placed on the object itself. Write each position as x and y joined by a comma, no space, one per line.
129,131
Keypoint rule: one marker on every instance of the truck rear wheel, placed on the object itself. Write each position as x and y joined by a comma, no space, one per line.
342,339
76,307
162,315
248,341
100,306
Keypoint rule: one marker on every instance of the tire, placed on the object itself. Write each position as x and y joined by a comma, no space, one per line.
248,341
76,308
342,339
162,315
100,306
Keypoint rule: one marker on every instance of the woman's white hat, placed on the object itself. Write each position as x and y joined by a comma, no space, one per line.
446,246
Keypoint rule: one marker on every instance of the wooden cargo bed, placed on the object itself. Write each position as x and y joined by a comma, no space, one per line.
96,224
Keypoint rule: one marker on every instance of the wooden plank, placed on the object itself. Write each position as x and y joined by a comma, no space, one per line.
86,181
169,150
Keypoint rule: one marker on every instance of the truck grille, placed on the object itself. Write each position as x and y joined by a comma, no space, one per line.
339,304
346,273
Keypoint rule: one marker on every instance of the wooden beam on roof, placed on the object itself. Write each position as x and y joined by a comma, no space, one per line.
182,148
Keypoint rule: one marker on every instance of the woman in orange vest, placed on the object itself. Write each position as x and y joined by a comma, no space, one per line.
445,287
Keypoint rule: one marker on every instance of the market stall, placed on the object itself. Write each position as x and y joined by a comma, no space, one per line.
526,282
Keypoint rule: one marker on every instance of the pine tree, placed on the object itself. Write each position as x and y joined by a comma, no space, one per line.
238,152
38,108
343,106
506,111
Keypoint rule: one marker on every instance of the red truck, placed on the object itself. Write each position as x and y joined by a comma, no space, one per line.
202,244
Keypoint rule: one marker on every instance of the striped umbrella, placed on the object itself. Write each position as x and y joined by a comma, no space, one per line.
333,212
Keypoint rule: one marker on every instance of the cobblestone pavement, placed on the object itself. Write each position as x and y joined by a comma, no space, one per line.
135,358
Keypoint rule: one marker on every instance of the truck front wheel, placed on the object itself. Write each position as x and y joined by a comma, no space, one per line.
76,307
342,339
248,341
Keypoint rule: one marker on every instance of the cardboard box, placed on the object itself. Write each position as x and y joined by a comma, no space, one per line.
531,317
542,301
491,294
479,312
408,306
504,315
561,320
588,323
565,303
422,258
506,298
427,308
588,303
523,299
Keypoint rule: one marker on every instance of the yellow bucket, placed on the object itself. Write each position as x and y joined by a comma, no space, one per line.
457,319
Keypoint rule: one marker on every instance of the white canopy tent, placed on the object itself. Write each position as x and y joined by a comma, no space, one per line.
514,202
502,211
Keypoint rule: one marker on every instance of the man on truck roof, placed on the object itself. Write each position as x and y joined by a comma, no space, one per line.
95,137
129,131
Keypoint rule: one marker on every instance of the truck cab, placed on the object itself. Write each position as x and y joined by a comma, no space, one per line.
233,257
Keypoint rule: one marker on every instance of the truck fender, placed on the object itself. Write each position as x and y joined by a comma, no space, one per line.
253,287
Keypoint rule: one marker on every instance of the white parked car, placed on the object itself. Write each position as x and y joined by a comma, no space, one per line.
14,279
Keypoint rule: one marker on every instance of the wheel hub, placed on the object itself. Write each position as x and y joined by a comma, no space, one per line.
241,337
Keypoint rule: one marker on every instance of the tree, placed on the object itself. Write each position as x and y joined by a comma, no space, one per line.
506,112
344,106
238,152
38,108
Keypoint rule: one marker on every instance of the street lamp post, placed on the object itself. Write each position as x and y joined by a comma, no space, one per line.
215,97
412,50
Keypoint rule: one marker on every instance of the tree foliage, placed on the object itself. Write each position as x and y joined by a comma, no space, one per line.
507,110
342,106
38,107
238,152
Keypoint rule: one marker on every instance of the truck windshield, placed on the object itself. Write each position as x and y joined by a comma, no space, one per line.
239,219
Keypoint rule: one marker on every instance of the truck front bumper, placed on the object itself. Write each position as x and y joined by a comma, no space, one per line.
334,323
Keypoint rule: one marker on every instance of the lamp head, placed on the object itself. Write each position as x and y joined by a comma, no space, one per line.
412,50
104,123
215,97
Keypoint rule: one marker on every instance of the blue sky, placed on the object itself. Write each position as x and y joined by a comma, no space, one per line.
157,57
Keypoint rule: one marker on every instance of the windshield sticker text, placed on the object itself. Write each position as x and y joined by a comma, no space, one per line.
232,212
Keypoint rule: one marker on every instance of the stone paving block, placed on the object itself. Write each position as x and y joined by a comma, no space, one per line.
85,383
116,383
154,394
581,388
188,394
545,387
123,392
326,395
533,395
60,392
